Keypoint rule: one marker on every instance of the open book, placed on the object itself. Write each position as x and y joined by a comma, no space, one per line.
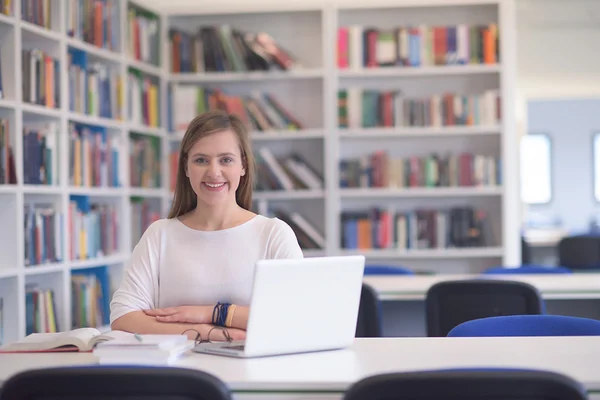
83,339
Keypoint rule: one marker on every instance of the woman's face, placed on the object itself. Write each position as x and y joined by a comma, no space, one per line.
214,168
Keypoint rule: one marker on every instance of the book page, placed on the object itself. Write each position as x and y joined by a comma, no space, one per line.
45,341
112,335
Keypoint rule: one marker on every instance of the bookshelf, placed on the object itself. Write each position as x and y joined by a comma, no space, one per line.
480,85
139,51
75,132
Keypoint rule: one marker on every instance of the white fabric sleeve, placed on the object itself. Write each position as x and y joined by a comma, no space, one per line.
140,278
284,243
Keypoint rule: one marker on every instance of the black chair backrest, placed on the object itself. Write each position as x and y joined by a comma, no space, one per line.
114,382
579,252
368,323
450,303
467,385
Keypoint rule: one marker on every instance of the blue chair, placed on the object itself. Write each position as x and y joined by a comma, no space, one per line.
527,269
468,384
387,270
114,382
528,325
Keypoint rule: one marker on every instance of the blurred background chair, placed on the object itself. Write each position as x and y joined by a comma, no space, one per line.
114,382
528,325
450,303
580,252
468,384
370,318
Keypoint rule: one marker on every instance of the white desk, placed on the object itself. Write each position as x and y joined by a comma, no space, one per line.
403,295
327,375
551,286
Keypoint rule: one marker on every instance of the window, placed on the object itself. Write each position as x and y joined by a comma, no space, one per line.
536,166
596,149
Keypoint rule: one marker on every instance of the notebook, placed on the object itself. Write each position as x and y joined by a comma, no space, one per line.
83,340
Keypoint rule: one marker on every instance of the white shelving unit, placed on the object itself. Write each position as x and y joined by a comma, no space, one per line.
15,36
310,94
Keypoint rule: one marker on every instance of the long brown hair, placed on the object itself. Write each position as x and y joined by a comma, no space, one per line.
203,125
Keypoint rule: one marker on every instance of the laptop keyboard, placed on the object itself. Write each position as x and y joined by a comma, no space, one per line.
235,347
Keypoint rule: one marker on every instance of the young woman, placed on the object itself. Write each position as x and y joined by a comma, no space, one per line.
204,253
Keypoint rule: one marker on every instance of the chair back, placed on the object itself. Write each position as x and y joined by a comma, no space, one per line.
579,252
114,382
528,325
470,384
450,303
527,269
369,322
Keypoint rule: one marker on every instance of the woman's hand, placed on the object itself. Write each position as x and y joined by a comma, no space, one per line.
188,314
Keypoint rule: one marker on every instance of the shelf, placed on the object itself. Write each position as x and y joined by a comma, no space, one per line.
5,103
289,195
8,272
246,76
419,132
94,120
42,189
7,20
148,130
450,70
96,262
8,188
39,31
370,193
98,52
288,135
40,110
96,191
454,253
144,67
146,192
44,269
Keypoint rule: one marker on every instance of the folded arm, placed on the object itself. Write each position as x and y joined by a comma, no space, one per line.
199,315
139,322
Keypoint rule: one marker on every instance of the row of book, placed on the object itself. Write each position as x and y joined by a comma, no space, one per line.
90,298
417,46
93,156
94,88
379,228
40,310
143,213
259,111
40,158
144,161
41,78
143,35
8,173
93,229
95,22
224,48
309,238
43,234
366,108
1,77
285,173
37,12
380,170
143,99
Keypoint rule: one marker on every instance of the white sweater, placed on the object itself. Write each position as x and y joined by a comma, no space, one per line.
175,265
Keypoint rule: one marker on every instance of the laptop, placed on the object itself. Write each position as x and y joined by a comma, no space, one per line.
298,306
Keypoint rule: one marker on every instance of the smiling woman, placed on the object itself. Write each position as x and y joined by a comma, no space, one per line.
194,269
